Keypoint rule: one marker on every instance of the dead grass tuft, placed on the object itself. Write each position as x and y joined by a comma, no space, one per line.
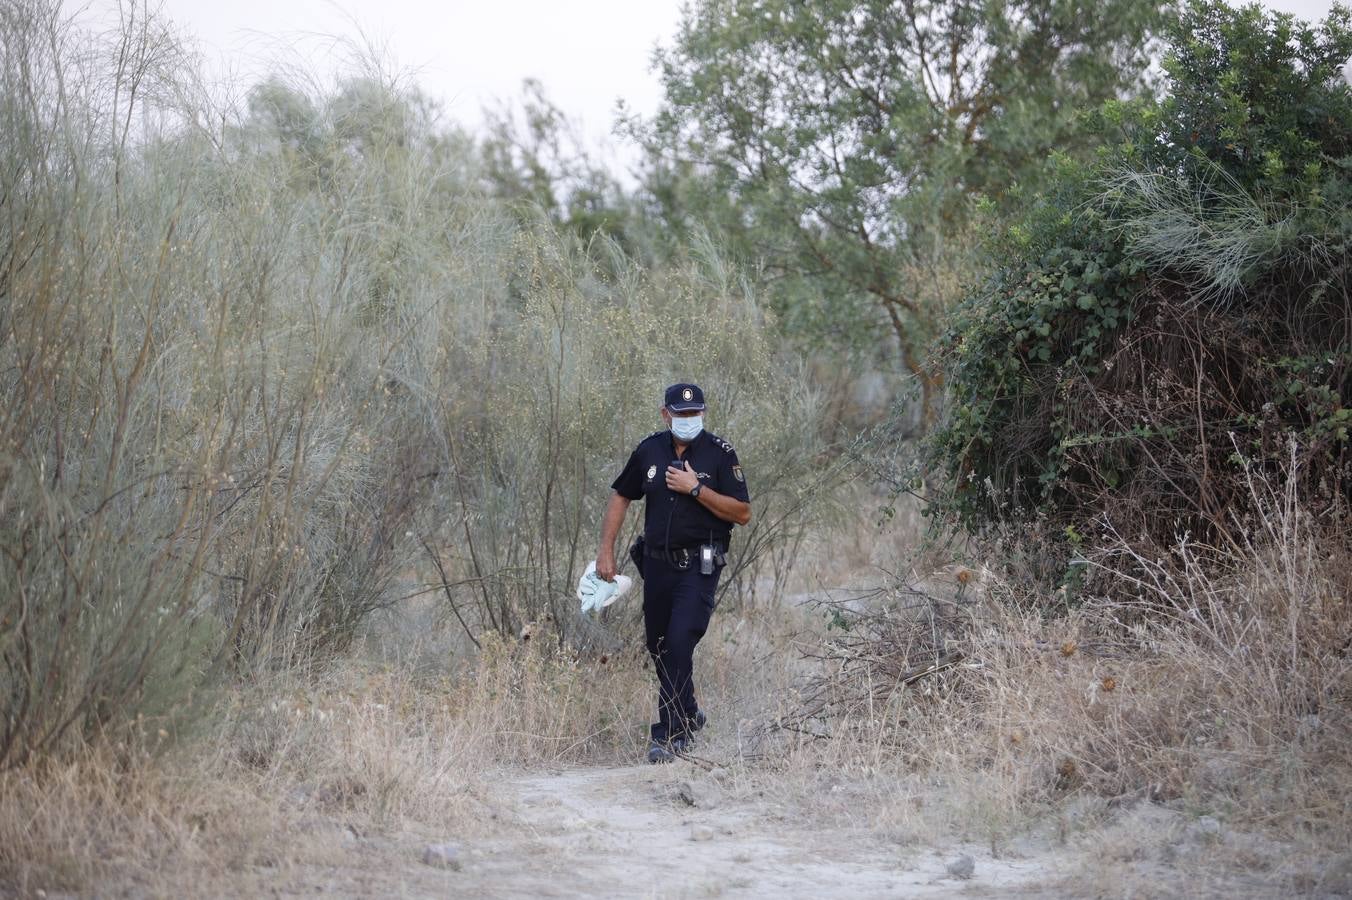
1191,719
294,765
1211,684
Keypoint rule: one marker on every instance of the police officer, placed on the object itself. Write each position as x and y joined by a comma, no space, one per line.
695,493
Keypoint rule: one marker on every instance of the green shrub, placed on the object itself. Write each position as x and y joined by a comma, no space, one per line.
1178,306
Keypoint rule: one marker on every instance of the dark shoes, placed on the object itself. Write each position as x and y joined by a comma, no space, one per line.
667,751
659,752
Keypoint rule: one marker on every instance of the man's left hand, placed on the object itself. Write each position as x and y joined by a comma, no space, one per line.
681,480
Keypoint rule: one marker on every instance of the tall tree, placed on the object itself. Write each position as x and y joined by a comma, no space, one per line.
534,155
840,141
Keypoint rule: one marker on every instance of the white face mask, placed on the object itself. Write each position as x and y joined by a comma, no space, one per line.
687,428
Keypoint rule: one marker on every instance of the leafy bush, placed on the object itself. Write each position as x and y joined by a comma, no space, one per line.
1178,306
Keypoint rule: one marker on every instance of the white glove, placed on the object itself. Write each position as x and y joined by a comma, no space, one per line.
595,592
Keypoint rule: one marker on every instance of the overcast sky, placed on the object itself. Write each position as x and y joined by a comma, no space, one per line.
466,53
587,53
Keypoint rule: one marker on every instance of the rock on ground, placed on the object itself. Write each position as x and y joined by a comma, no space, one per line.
699,794
442,856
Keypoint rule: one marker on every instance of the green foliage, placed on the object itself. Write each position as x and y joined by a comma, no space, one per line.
1241,172
843,142
1053,316
1306,389
534,159
1261,96
1183,298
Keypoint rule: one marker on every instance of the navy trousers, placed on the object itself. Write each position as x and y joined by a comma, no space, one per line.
677,605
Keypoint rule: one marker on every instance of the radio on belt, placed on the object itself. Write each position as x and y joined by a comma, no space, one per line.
706,559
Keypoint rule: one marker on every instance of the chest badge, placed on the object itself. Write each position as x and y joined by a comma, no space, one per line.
652,472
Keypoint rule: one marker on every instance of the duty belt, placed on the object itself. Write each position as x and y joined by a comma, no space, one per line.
682,557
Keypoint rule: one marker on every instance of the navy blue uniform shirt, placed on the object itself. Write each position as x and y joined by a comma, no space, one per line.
672,519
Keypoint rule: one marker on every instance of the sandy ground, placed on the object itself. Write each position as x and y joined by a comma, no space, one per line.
629,832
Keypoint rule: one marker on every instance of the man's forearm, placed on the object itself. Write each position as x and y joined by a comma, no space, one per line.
729,509
613,519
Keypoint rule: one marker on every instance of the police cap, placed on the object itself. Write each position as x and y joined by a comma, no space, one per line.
684,398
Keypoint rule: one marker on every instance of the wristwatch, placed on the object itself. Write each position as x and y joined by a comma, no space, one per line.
694,492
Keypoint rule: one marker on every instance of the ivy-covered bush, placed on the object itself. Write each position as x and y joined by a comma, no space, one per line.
1177,312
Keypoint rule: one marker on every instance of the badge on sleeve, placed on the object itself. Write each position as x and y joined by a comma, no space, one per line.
652,472
737,473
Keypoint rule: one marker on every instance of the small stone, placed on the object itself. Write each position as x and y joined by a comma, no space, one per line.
701,833
442,856
1207,829
962,867
700,794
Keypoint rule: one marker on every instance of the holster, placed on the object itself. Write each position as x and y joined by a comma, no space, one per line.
636,554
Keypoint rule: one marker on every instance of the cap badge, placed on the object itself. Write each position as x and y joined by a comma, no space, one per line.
652,472
687,394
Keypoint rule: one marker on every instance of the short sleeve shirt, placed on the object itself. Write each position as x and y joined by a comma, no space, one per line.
671,519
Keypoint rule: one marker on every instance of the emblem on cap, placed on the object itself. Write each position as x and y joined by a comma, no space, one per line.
652,472
687,394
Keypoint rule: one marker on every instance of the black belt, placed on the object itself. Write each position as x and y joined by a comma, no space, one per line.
680,557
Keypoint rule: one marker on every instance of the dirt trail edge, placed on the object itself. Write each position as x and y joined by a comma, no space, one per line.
629,832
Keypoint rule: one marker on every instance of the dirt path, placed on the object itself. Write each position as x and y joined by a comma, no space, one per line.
633,832
628,832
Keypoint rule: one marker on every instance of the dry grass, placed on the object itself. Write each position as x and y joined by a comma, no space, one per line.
1103,736
1199,687
380,744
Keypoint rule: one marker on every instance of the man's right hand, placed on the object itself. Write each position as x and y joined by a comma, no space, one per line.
605,564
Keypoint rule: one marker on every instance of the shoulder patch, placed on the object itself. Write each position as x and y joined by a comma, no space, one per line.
727,448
